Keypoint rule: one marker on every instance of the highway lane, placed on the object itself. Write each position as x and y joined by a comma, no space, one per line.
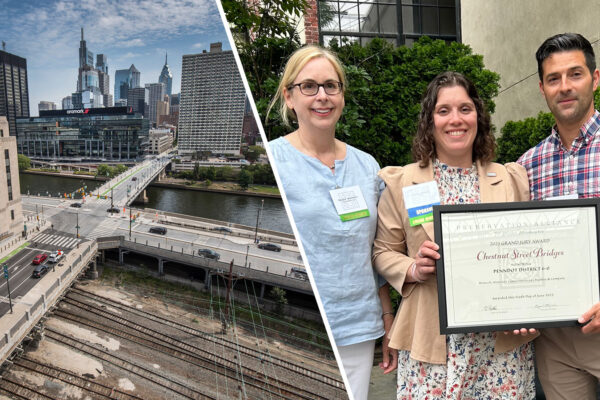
95,221
20,267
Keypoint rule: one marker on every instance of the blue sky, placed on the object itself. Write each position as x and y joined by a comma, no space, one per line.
47,34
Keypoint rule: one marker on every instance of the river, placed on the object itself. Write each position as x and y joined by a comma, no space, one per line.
220,206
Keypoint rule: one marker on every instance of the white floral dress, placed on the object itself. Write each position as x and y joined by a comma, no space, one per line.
472,370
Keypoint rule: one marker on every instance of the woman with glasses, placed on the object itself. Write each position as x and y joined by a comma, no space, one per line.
332,190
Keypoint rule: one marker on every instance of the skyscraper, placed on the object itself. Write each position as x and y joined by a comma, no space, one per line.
156,93
211,112
126,79
137,98
14,93
93,85
104,79
166,77
46,105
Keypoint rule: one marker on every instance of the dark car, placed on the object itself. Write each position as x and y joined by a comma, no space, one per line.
161,230
134,178
113,210
39,271
221,229
40,258
76,205
207,253
269,246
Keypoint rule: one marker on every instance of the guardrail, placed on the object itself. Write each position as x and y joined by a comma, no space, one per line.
31,315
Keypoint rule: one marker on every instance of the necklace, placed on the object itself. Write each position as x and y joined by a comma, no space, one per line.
315,155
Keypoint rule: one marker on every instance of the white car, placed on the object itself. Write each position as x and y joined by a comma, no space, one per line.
55,256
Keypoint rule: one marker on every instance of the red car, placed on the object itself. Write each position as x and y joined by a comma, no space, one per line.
40,258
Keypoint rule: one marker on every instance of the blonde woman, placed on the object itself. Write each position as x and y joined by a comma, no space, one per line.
332,190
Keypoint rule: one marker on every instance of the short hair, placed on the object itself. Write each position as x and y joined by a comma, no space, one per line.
565,42
294,65
424,144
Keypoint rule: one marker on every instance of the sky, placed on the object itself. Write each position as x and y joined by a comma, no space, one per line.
139,32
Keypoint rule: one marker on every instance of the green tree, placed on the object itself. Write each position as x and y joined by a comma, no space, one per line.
265,34
253,152
244,179
104,170
278,295
24,162
519,136
196,171
211,173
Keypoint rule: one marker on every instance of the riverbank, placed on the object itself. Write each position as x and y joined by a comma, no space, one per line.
181,184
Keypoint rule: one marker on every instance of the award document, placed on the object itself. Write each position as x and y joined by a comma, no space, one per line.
516,265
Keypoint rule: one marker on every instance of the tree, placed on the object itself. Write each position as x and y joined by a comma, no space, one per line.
104,170
253,152
278,295
120,168
244,179
211,173
24,162
519,136
265,34
196,172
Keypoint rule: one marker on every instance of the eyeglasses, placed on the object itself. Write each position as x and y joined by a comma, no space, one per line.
310,88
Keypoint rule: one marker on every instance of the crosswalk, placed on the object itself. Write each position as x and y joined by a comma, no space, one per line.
108,227
60,241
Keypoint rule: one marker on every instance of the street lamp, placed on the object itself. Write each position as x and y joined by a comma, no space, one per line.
257,219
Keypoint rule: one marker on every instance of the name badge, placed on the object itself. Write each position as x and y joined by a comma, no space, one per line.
419,200
349,203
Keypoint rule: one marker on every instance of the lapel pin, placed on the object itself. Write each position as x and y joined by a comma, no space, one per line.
491,174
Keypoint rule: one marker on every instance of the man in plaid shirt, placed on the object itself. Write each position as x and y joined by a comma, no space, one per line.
567,163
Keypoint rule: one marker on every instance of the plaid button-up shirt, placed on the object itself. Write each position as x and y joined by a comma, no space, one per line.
555,171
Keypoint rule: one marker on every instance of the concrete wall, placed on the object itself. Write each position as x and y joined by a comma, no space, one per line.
508,32
9,227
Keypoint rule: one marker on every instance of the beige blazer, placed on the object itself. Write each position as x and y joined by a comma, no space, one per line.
416,326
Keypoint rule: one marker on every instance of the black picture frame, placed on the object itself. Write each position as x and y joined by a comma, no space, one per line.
470,210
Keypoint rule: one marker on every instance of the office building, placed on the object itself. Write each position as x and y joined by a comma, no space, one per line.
174,103
211,111
14,92
156,93
84,135
162,108
11,212
104,79
46,105
67,103
160,141
138,98
126,79
166,77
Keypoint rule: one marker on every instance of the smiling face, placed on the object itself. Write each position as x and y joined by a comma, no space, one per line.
568,87
321,111
455,126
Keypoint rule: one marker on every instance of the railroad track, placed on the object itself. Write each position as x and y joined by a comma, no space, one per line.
14,388
88,385
249,351
143,372
155,340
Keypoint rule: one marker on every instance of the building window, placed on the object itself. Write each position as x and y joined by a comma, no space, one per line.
400,22
12,214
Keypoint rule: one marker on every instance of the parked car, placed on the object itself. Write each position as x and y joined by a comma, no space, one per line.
208,253
269,246
39,271
40,258
134,178
161,230
55,256
76,205
113,210
221,229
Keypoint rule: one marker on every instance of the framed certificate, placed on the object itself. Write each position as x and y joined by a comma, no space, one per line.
516,265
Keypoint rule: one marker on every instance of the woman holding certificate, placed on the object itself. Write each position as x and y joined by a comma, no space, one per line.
453,148
332,190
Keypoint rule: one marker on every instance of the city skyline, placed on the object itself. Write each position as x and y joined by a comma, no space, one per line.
47,34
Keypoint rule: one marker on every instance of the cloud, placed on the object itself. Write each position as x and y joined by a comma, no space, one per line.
131,43
200,45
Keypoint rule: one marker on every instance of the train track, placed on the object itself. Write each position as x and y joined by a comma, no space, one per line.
17,389
155,340
95,388
141,371
248,351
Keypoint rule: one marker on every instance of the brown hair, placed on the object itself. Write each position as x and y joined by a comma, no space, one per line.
424,145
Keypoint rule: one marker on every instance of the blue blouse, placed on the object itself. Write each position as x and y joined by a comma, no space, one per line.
338,253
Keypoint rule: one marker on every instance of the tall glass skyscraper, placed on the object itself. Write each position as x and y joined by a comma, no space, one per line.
166,77
126,79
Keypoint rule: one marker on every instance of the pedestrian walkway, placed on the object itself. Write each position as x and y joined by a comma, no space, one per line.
108,227
60,241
